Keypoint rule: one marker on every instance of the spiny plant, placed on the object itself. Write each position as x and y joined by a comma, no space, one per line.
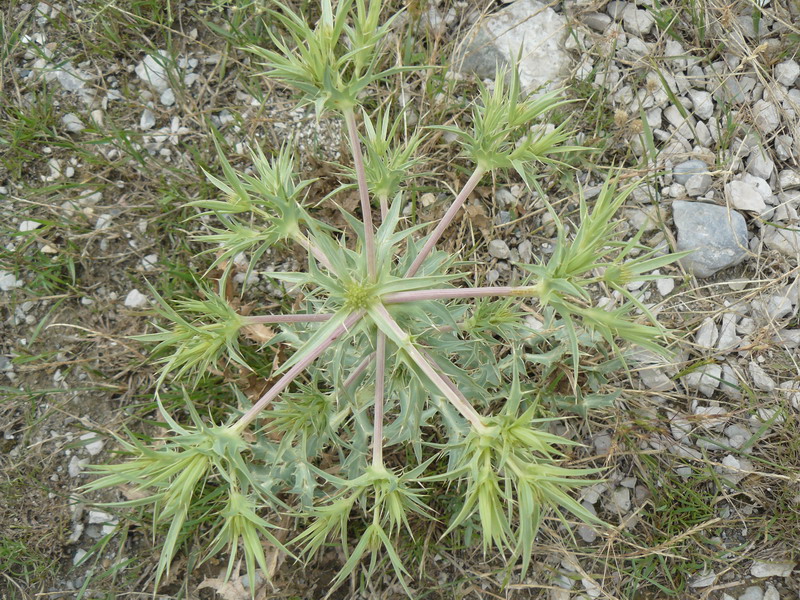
395,351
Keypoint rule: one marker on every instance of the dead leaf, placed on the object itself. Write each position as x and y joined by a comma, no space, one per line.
258,332
229,590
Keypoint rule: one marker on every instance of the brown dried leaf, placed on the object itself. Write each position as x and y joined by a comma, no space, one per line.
258,332
229,590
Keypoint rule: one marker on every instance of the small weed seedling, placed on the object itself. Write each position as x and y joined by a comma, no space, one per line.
393,349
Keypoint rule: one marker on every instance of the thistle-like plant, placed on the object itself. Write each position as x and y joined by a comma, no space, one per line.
394,350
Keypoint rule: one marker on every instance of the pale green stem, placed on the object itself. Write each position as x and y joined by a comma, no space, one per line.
380,374
456,399
289,376
384,201
448,217
363,191
450,293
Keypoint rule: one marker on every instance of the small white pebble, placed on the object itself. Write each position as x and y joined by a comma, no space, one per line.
136,299
29,225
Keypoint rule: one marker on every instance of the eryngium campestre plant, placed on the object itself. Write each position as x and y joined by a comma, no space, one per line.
394,349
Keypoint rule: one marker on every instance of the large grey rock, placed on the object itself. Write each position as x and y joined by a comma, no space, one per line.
717,236
527,27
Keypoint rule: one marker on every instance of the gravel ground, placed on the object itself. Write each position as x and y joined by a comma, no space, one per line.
108,112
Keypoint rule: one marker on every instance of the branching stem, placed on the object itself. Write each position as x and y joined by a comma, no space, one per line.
448,217
363,191
456,399
289,376
380,373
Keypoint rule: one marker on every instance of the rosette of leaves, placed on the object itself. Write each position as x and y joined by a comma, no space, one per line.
394,348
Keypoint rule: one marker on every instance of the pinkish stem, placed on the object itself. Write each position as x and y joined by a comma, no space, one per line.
289,376
362,366
456,399
314,250
296,318
448,217
363,191
380,375
448,293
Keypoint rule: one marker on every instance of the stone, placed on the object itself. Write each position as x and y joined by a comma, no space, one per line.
737,435
771,569
26,226
167,97
787,338
697,185
730,383
596,20
150,262
771,593
702,103
152,70
526,28
655,378
103,221
136,299
735,89
785,241
98,517
684,171
717,236
684,126
703,135
680,427
760,165
75,466
72,123
621,500
761,380
704,379
147,120
665,285
79,556
94,445
638,22
772,307
788,179
783,147
525,250
766,116
728,339
743,196
8,281
702,580
499,249
70,78
787,72
707,334
752,593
